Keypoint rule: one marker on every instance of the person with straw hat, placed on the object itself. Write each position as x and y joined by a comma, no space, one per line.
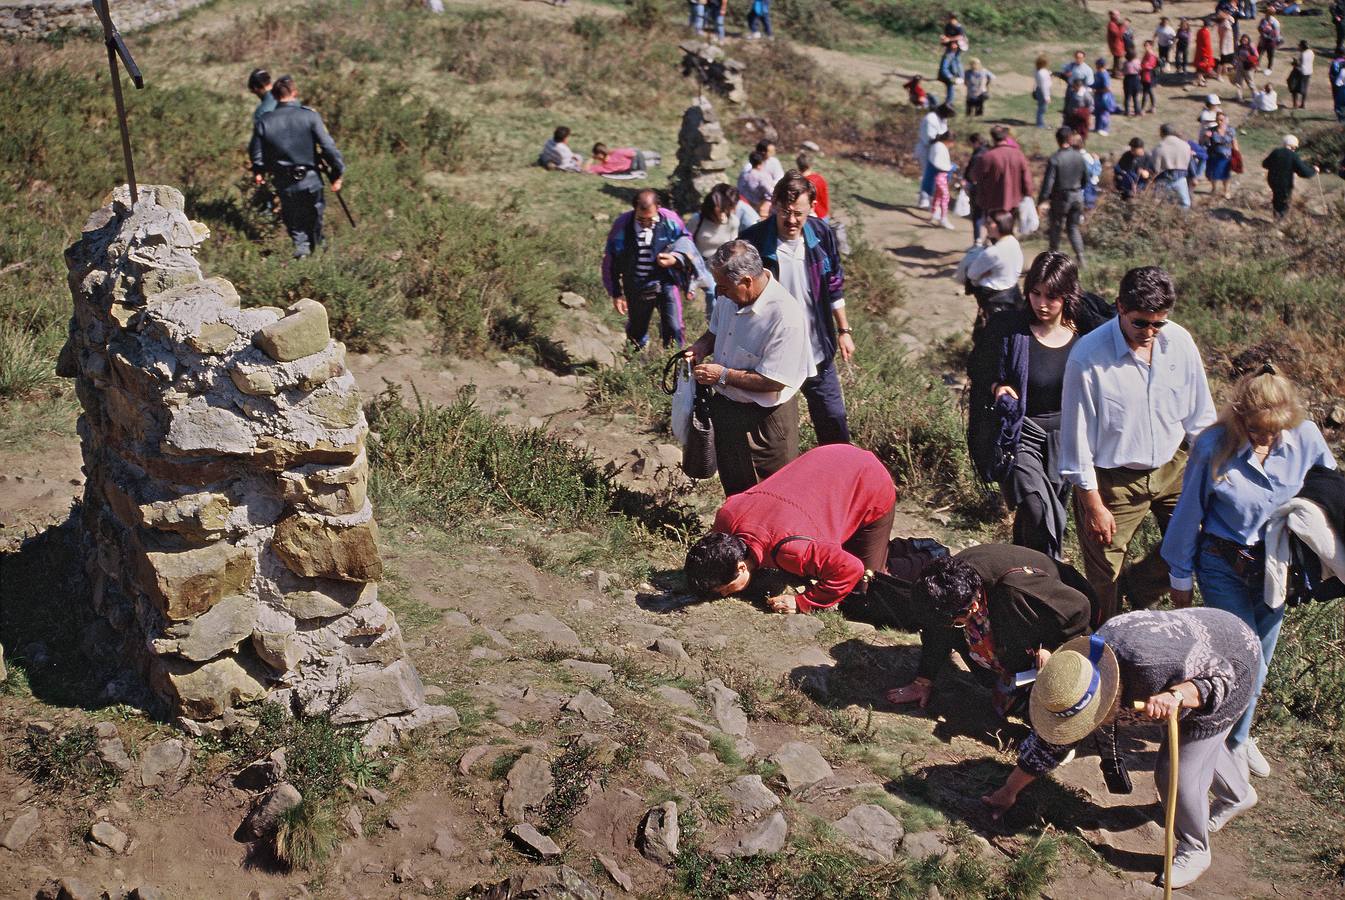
1202,661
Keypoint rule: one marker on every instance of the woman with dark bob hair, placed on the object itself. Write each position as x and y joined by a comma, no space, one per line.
1030,349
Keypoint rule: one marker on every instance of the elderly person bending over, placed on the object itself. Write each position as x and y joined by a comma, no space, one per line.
1244,467
759,340
1202,661
825,516
997,606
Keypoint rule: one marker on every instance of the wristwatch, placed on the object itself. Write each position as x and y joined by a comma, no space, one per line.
845,331
723,376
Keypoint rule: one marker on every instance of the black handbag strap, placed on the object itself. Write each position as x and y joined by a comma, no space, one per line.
776,549
669,380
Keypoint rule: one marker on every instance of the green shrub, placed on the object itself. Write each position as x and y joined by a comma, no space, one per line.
26,361
986,21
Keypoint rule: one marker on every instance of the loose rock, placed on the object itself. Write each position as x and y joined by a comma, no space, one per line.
106,839
530,782
542,883
750,796
265,816
592,707
800,765
763,837
924,844
164,763
23,827
590,671
530,839
544,626
872,831
726,709
659,834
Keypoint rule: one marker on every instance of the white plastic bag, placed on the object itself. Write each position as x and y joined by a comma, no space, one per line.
1028,223
962,205
683,400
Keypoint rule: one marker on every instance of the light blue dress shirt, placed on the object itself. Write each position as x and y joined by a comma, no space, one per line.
1237,506
1120,413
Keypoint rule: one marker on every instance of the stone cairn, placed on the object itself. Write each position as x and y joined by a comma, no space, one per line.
714,70
229,539
702,149
702,156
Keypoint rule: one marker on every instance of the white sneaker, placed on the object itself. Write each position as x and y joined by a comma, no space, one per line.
923,203
1103,133
1186,868
1256,763
949,225
1225,813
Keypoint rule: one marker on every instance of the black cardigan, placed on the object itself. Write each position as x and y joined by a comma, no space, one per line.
1034,602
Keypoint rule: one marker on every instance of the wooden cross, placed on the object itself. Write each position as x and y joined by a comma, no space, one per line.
116,47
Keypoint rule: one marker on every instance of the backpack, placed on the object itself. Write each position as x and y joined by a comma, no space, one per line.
1094,311
887,602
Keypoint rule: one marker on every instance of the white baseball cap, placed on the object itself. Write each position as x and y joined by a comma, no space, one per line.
1213,100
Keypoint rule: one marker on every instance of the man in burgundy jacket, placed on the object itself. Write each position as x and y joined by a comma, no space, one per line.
826,516
1001,175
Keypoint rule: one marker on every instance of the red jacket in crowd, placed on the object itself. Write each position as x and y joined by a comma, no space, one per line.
824,496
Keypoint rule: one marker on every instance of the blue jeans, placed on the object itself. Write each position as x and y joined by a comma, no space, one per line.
1178,186
927,179
826,404
640,310
719,24
764,18
1222,588
696,19
1041,113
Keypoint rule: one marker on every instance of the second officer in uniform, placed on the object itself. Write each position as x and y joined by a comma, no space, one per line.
288,143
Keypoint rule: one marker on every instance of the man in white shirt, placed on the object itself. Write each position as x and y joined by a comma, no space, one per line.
994,271
1306,57
1134,390
802,252
760,346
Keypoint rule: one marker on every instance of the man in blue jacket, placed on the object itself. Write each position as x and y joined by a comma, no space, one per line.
801,253
647,264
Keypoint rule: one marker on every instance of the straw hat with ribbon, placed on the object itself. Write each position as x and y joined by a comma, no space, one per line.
1075,691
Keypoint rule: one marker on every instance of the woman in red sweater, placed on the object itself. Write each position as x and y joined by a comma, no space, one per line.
826,516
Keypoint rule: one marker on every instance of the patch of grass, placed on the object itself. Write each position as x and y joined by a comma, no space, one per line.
501,765
26,361
66,762
1030,872
725,750
306,835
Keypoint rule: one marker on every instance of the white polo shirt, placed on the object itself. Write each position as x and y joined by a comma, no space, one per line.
769,337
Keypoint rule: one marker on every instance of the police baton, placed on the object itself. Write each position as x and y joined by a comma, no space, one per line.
323,170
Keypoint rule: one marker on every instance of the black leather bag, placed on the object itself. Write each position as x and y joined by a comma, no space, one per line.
698,456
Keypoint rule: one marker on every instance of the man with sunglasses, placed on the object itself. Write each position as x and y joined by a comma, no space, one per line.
1135,390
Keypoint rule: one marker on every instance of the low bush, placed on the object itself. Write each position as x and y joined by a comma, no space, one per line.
985,20
67,761
306,835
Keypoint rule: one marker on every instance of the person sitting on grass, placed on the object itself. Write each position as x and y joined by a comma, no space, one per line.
826,516
1002,608
556,154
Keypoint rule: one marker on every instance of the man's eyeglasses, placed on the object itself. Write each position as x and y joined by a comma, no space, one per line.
1146,323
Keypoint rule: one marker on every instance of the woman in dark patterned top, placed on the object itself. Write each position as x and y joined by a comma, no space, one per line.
1203,661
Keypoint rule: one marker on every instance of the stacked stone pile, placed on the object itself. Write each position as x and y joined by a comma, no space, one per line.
37,18
230,540
720,74
702,156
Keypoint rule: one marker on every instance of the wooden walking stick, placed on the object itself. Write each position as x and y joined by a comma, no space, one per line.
116,47
1170,811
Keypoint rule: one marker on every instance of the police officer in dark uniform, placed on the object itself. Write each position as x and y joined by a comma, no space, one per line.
288,142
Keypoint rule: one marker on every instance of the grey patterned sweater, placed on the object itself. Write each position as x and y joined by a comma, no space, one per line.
1156,650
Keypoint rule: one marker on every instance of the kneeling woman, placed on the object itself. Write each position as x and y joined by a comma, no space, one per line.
999,607
1203,661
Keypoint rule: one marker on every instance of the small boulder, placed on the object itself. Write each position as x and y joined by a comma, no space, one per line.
353,822
571,300
616,874
543,626
800,765
671,648
589,671
531,840
763,837
106,839
265,816
750,796
164,763
111,750
872,831
530,782
446,845
659,834
592,707
726,709
925,844
24,825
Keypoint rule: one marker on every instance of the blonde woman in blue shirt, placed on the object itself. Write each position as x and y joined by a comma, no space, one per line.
1242,468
